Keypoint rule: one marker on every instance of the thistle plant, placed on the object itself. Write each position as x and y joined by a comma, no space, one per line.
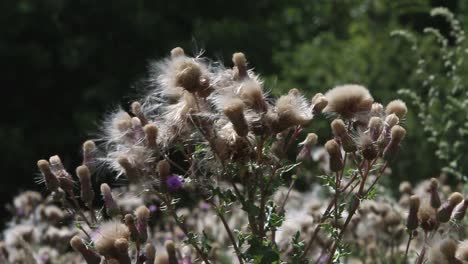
203,165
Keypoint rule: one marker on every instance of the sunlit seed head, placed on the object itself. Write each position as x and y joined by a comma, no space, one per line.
398,133
338,127
391,120
397,107
455,198
177,52
462,251
188,74
348,100
142,213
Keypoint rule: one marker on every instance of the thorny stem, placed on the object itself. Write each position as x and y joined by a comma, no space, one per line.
354,209
407,247
252,221
229,232
78,208
182,226
322,218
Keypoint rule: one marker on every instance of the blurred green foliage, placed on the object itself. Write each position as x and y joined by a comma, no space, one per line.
64,63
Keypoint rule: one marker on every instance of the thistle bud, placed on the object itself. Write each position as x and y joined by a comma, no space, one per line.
130,223
52,183
412,220
142,215
111,206
391,120
376,109
307,144
150,253
339,130
121,246
87,192
136,110
151,132
164,169
427,217
405,187
90,256
89,152
130,171
177,52
186,255
368,148
240,62
460,210
336,161
251,94
445,211
188,75
171,251
375,127
435,199
396,136
319,102
234,110
462,251
448,247
137,127
65,180
397,107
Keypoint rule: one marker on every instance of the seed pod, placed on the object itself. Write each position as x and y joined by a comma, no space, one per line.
460,210
89,152
368,148
240,63
234,110
151,132
375,128
121,246
171,252
397,107
136,110
164,169
339,130
445,211
177,52
111,206
391,150
65,180
319,102
142,213
90,256
412,220
87,192
52,183
188,75
138,133
130,171
130,223
336,161
435,199
150,253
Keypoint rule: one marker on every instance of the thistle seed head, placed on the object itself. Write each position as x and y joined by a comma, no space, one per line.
397,107
348,100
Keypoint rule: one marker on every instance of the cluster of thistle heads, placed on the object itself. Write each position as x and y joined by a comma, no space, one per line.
212,116
437,218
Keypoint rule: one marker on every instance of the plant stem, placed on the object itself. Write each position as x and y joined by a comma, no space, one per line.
407,247
229,232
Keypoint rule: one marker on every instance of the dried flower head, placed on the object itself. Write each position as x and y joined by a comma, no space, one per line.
334,150
397,107
348,100
107,234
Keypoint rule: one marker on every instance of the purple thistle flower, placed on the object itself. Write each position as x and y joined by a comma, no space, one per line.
174,182
153,208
